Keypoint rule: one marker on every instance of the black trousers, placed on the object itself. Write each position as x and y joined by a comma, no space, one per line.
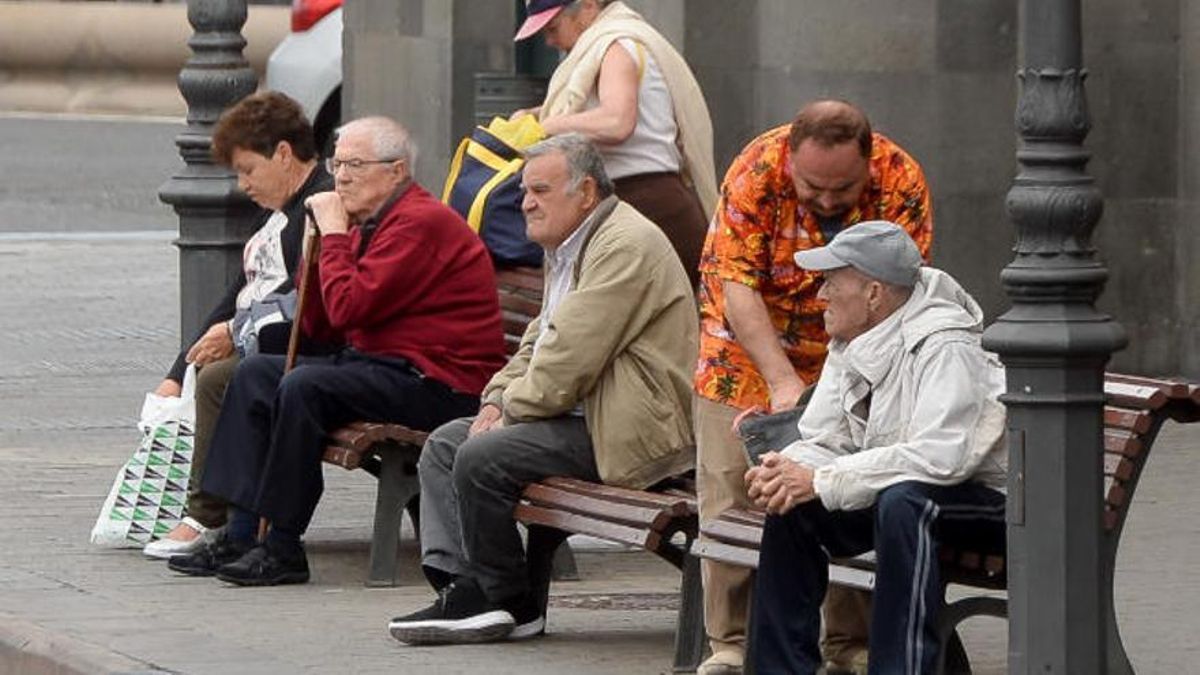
905,527
267,447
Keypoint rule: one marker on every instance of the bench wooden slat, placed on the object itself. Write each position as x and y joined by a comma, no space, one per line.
1116,495
730,532
1118,467
745,517
1170,388
1136,421
1111,516
673,504
734,555
636,516
1134,396
527,278
573,522
348,446
515,308
342,457
853,577
1122,442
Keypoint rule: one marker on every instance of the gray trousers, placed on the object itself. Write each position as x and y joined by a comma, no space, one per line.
469,488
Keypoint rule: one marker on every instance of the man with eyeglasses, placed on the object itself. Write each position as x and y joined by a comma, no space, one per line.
404,282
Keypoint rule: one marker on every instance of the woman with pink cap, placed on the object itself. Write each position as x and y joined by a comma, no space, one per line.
624,87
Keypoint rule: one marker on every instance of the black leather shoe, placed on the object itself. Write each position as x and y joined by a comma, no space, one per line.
266,566
210,556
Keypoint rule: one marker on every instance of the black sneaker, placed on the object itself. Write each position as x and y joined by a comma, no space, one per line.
265,565
462,614
528,617
213,554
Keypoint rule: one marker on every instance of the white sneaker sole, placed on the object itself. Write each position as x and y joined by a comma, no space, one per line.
164,549
486,627
529,629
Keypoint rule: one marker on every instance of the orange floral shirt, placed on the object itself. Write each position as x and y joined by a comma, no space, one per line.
759,224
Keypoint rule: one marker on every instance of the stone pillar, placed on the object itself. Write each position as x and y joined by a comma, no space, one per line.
415,60
215,219
1187,249
1055,345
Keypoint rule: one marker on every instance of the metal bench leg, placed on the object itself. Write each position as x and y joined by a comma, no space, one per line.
544,542
563,567
689,626
952,659
1118,660
398,484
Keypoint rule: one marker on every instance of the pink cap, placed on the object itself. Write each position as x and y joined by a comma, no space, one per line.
541,12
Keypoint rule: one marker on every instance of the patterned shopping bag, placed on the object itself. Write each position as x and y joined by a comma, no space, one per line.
148,497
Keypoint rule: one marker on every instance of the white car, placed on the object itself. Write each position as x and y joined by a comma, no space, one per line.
307,65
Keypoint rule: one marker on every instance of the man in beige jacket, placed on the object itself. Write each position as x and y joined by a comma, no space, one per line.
600,389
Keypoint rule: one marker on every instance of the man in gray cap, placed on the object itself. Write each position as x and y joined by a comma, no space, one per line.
901,450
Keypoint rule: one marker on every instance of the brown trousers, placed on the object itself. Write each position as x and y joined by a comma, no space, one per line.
720,466
675,208
211,381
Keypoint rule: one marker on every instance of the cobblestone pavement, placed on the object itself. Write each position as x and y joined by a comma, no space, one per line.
88,325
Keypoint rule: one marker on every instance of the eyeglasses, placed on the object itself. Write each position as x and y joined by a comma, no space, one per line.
353,165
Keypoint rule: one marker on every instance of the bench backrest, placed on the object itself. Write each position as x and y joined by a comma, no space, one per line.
520,290
1134,411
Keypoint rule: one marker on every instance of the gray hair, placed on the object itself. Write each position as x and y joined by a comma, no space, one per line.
573,8
583,160
389,138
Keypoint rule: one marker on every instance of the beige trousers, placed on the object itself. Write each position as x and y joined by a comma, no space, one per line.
720,466
211,381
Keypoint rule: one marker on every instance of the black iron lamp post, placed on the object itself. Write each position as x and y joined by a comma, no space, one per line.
215,219
1055,345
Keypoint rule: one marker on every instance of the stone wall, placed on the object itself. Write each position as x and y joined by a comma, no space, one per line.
935,75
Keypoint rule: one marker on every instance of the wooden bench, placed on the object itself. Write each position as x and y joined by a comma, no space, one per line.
1136,408
662,521
390,451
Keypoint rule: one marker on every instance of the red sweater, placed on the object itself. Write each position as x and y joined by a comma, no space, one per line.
424,290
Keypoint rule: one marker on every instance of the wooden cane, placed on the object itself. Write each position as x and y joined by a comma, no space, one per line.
311,254
308,263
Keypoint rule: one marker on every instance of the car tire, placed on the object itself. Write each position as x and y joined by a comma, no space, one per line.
327,122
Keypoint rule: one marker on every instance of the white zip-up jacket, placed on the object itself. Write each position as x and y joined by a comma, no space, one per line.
913,399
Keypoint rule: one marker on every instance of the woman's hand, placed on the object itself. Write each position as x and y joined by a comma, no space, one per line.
518,114
169,388
214,345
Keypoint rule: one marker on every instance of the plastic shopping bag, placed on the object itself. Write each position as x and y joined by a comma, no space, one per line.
148,497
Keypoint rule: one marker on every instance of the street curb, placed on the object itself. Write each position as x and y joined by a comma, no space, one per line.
29,649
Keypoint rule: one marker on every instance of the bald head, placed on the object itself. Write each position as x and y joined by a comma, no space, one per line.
830,123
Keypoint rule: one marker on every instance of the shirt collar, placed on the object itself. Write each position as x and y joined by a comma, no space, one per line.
382,211
569,249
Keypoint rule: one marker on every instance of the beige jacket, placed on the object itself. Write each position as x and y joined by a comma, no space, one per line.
623,343
575,78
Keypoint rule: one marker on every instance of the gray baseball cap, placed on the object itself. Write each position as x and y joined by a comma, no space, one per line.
877,248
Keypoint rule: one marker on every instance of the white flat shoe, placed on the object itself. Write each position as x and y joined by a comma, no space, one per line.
166,548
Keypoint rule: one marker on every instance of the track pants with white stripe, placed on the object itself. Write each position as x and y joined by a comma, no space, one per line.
905,528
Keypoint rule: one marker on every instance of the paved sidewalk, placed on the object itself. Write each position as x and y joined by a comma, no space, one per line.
88,326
